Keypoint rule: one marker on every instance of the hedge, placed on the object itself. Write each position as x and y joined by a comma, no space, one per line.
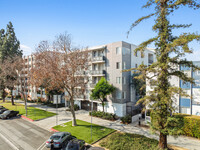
104,115
191,126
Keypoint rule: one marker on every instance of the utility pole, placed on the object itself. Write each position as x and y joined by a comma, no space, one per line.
91,119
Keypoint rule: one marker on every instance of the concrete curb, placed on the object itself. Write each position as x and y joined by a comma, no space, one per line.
54,130
24,117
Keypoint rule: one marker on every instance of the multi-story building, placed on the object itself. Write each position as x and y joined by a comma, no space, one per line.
108,61
189,104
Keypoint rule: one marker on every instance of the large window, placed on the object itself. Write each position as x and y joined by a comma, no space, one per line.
118,94
123,95
118,80
124,65
118,50
125,51
117,65
124,80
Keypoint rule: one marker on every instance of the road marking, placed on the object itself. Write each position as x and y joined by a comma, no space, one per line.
41,146
9,142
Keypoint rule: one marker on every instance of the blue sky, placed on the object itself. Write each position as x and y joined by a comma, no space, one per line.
90,22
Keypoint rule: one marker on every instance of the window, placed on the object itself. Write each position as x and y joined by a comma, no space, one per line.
124,80
118,50
118,80
136,54
118,65
118,94
125,51
124,95
124,65
94,54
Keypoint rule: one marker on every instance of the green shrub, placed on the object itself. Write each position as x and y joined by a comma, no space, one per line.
76,107
126,119
104,115
126,141
191,126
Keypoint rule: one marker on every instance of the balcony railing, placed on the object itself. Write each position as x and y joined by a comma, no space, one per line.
98,72
98,59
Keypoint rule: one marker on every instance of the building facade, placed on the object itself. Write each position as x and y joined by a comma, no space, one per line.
189,104
107,61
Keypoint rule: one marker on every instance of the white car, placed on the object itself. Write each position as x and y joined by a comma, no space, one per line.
59,139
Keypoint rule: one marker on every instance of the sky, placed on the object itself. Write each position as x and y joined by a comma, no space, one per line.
90,22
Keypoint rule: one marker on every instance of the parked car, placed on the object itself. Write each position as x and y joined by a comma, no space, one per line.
2,110
59,139
9,114
76,144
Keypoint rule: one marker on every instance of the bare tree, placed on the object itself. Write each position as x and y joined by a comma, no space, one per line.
63,67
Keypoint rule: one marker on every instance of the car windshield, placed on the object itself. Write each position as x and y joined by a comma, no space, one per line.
6,112
55,137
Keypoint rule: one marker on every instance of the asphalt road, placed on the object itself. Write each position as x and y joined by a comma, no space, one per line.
19,134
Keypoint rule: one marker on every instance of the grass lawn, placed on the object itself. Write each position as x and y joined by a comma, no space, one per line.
33,113
83,131
125,141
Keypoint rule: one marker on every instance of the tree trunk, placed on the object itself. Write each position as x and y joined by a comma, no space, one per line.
102,103
12,100
73,113
163,141
3,95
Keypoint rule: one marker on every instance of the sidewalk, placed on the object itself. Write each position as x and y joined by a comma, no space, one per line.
63,116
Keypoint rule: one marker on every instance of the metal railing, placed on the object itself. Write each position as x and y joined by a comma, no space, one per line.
97,72
100,58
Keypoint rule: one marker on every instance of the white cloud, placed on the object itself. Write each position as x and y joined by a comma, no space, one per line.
26,50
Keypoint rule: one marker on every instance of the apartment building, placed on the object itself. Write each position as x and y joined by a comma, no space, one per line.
186,104
191,104
106,61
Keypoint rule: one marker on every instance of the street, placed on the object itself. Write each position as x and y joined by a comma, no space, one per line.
20,134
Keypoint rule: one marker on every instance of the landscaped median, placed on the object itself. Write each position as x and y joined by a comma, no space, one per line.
33,113
83,131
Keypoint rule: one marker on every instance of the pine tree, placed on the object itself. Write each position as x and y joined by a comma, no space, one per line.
9,49
160,100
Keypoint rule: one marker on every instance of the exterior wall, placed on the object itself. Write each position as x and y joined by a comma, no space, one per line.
191,103
116,108
103,64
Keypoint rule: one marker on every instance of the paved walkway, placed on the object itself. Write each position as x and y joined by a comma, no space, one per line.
65,116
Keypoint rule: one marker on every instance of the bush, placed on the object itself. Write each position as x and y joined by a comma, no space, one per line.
104,115
18,97
191,126
126,141
126,119
76,107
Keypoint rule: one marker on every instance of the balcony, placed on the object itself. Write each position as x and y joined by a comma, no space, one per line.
100,59
98,72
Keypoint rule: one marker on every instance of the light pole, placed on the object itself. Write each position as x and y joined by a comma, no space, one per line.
91,119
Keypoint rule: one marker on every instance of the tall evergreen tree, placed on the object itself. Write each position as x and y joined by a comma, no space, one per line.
9,48
160,100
